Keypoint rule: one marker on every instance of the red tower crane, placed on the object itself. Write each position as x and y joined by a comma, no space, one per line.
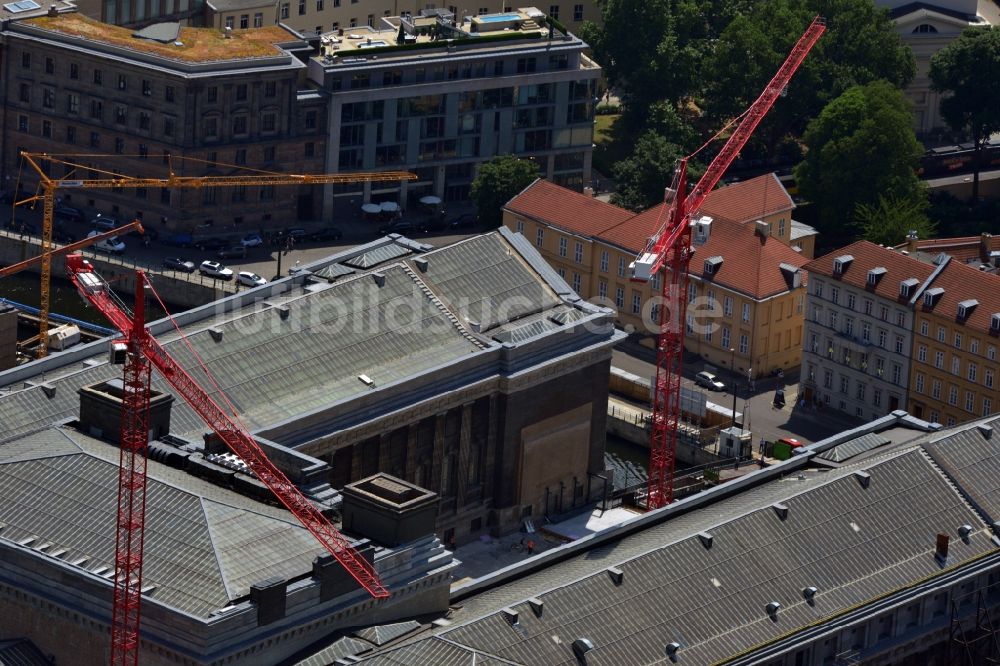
670,247
141,353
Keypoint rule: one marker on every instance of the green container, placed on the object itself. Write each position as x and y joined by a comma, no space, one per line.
782,450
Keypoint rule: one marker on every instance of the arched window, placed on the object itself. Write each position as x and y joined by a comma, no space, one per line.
924,29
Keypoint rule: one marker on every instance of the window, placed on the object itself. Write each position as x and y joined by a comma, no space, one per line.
258,20
619,297
970,401
212,94
859,390
849,326
319,5
636,302
302,7
621,266
923,328
746,312
554,11
880,366
145,120
121,114
828,379
866,331
122,82
708,335
744,343
230,22
310,120
922,354
939,359
936,389
602,289
920,382
577,281
988,378
25,93
833,319
74,71
562,247
834,294
26,60
958,341
285,10
539,237
270,89
240,157
953,395
897,373
974,345
168,93
526,65
244,21
845,384
578,253
883,313
47,129
991,352
95,140
604,261
268,122
725,338
692,291
934,416
850,299
168,127
577,13
877,397
899,344
239,125
956,365
98,78
70,134
882,335
940,333
48,98
96,109
119,146
50,66
520,226
901,319
727,307
371,20
987,407
818,289
210,128
241,92
868,306
147,88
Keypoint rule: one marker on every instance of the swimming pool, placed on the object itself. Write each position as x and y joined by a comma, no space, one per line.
498,18
372,44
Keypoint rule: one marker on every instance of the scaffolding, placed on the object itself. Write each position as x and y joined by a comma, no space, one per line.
975,643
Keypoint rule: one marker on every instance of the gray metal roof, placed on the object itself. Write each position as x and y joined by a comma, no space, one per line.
973,461
344,647
853,543
434,651
334,271
384,633
534,325
854,447
205,546
486,281
21,652
377,256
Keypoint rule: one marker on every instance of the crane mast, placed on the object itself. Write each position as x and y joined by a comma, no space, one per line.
670,248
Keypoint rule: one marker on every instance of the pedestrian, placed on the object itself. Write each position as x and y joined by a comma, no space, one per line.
531,546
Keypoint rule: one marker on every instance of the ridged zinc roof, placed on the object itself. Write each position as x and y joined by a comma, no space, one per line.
972,459
853,541
204,546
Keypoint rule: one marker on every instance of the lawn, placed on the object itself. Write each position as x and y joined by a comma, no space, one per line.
609,146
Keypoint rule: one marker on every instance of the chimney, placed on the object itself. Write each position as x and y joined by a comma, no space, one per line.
985,246
911,241
941,548
53,11
762,228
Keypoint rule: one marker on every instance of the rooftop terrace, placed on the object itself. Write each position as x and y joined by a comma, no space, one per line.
194,44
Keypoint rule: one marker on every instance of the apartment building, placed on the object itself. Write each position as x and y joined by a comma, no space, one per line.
438,97
981,250
746,290
171,98
955,367
859,329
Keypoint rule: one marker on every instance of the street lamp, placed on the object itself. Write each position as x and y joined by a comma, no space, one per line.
732,366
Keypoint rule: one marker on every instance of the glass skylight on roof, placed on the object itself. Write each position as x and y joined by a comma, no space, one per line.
21,6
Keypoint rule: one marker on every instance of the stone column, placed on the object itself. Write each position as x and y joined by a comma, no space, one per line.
384,454
488,462
464,441
357,456
437,459
411,450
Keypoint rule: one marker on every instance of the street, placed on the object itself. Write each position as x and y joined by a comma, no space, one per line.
806,424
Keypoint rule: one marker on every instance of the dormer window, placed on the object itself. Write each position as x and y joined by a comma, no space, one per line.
906,287
841,263
966,307
931,296
995,322
712,265
874,275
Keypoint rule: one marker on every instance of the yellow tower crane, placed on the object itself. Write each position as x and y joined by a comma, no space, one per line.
47,187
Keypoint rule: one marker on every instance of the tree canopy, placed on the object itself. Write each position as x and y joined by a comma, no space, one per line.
969,70
644,175
890,219
498,180
861,147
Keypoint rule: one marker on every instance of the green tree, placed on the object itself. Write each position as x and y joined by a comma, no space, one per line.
969,70
861,147
643,176
497,182
891,218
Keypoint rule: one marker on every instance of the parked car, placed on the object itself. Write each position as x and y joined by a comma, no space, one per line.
211,243
465,221
250,279
68,213
403,228
105,222
179,240
709,381
114,245
233,252
331,234
62,236
178,264
252,240
216,270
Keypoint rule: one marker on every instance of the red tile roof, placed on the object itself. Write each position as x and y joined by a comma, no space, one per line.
750,263
571,211
867,256
748,200
962,282
965,248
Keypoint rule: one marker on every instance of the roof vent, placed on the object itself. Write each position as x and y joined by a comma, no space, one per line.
379,279
581,647
421,264
366,380
931,296
48,389
966,307
906,287
282,311
510,615
876,274
985,430
841,263
809,594
216,333
762,228
617,575
712,265
781,510
672,649
965,531
706,539
772,610
536,606
863,477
